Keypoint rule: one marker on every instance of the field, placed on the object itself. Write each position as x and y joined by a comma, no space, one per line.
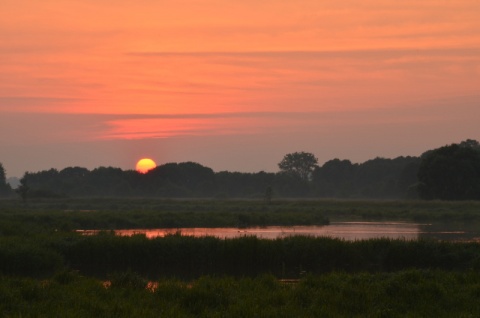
46,268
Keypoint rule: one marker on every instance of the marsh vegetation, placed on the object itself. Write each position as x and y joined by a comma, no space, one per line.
413,293
44,262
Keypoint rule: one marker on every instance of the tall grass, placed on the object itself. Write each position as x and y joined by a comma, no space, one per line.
191,257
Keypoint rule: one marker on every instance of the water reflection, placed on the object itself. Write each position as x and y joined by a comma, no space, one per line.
343,230
451,231
369,230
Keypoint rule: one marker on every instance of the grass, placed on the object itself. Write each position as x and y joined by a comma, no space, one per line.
192,257
412,293
36,238
97,213
48,270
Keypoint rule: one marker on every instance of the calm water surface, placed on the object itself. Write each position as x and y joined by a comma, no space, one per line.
342,230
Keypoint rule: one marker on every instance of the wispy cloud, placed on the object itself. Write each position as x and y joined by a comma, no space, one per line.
28,100
37,104
349,53
35,128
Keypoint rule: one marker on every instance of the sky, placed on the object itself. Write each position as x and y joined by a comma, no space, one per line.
233,84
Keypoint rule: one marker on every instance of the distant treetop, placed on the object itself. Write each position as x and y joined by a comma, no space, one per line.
300,164
451,172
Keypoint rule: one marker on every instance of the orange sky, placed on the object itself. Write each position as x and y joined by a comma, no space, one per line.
206,71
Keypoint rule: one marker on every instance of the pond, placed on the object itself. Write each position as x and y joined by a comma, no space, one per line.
343,230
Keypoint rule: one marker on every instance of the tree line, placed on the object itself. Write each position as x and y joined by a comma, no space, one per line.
5,189
451,172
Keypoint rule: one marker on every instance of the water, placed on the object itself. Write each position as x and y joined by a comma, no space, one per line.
343,230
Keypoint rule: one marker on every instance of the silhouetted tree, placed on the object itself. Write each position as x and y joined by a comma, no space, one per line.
300,164
241,184
376,178
408,180
107,181
73,180
470,143
3,177
47,180
5,189
23,189
451,172
182,179
268,194
335,178
291,185
379,177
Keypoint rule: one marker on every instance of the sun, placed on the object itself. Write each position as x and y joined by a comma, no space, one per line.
144,165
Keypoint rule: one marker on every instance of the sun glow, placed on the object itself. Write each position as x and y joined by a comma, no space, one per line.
144,165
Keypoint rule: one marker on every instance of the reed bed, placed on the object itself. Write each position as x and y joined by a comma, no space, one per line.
188,257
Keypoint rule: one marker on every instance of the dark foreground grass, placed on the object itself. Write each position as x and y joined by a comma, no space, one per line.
412,293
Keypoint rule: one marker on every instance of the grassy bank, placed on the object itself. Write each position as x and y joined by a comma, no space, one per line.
97,213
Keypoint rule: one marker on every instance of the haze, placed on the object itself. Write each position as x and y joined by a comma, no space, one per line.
233,85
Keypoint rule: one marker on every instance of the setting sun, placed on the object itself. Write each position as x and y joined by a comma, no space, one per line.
145,165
